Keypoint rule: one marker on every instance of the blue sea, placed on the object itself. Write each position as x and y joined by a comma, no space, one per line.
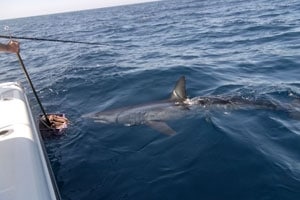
243,48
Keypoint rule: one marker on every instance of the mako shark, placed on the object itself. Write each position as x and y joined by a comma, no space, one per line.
177,106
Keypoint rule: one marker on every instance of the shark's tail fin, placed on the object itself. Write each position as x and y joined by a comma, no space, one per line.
179,92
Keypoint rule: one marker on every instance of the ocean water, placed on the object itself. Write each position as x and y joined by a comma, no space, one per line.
244,48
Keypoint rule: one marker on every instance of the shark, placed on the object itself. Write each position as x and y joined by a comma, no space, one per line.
178,105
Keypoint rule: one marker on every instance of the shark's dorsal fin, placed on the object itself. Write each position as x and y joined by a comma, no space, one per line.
179,92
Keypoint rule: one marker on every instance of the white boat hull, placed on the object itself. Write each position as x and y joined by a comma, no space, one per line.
25,172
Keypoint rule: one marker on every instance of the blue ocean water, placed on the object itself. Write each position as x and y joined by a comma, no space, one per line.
234,47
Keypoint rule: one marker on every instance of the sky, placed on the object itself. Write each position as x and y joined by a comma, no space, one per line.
10,9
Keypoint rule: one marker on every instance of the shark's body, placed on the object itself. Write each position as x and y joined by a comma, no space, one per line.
178,106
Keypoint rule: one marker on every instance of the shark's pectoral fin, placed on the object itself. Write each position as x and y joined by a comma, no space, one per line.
161,127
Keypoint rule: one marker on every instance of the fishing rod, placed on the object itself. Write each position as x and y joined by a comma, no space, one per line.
31,85
49,40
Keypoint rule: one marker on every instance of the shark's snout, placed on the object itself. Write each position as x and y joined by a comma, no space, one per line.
88,115
101,117
102,121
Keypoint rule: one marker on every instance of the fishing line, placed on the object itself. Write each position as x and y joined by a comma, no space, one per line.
49,40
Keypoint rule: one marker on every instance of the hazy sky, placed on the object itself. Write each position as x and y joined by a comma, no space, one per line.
23,8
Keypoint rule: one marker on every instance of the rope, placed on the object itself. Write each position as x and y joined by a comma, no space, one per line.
49,40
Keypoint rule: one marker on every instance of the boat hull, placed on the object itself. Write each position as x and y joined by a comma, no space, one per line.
25,170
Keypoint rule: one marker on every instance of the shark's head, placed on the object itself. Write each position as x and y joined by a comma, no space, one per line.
105,117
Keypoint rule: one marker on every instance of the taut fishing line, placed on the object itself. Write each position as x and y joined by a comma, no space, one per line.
48,40
9,36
